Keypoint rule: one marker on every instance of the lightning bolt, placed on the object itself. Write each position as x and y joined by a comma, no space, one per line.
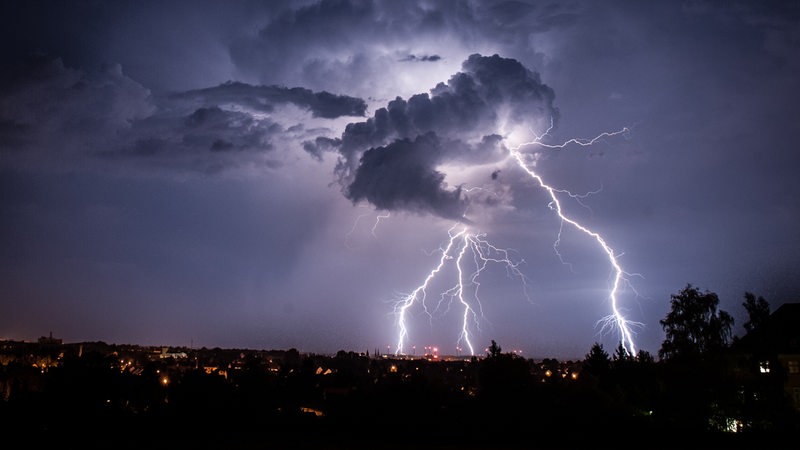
616,319
461,242
378,219
579,141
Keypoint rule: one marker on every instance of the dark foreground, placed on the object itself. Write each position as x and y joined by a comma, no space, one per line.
500,427
113,397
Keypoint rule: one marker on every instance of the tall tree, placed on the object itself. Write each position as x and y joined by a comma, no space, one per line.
597,361
494,350
621,354
757,311
697,384
694,326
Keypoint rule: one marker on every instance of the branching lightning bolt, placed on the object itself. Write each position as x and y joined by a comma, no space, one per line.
579,141
461,241
378,219
616,319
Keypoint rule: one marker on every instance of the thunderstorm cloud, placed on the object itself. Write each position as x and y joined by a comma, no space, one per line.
391,159
104,115
399,176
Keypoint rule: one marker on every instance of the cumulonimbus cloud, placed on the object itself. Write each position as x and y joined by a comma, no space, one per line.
391,159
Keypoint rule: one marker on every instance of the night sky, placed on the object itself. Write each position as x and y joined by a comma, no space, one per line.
277,175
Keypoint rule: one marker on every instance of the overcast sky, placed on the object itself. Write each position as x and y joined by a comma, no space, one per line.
277,175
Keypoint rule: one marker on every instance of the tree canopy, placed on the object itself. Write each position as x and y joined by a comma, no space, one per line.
694,326
757,311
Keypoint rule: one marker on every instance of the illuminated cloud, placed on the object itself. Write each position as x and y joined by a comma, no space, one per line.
391,159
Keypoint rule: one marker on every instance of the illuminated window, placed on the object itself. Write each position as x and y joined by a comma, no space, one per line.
763,366
794,366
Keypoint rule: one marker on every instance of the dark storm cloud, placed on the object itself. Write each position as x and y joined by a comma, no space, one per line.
320,145
422,58
303,27
341,43
232,124
45,106
209,139
263,98
466,112
469,106
53,114
400,176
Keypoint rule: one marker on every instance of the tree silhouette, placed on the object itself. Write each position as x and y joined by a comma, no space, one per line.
621,355
696,383
597,361
694,326
494,350
757,311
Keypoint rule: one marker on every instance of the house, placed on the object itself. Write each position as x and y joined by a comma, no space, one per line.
772,351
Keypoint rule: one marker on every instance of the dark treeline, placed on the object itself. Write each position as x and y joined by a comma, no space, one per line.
704,388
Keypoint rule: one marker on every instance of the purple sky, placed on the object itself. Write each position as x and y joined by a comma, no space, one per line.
279,174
